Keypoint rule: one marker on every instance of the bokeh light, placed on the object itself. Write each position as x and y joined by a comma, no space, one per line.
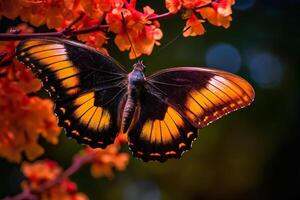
266,70
223,56
243,4
141,190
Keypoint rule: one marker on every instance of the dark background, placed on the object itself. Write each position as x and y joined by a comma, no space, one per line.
250,154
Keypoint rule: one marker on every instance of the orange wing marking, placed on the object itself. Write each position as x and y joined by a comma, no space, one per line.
94,117
33,43
48,53
40,48
163,131
218,97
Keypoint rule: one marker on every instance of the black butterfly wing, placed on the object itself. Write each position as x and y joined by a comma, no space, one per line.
86,86
195,97
160,132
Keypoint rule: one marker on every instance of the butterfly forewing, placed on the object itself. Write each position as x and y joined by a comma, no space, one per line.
85,85
201,95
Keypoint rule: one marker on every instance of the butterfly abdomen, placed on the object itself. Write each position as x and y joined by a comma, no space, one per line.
128,112
135,83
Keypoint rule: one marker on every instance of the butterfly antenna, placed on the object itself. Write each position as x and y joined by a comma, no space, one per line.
174,39
126,30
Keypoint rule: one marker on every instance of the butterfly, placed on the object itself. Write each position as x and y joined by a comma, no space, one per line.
96,98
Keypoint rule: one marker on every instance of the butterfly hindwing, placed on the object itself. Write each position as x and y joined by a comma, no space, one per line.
160,131
85,85
89,119
201,95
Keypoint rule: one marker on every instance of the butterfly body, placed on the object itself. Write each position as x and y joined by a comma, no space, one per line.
96,99
136,81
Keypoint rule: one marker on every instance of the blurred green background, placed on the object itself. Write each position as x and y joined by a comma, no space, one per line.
250,154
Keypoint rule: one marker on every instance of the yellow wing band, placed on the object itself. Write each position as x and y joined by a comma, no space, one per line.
94,117
54,58
220,96
163,131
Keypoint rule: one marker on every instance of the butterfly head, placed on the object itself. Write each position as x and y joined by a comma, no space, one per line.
139,66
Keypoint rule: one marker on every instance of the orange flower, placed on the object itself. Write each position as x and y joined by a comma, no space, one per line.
195,27
97,8
43,171
192,4
95,39
142,42
223,7
9,9
219,13
26,79
51,12
173,5
121,138
215,18
143,33
39,172
107,159
93,8
114,19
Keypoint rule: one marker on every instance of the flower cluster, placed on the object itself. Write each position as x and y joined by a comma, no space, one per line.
23,118
137,31
105,160
45,179
59,14
40,173
217,12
